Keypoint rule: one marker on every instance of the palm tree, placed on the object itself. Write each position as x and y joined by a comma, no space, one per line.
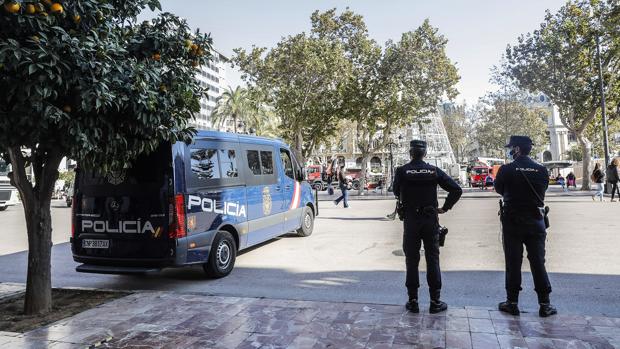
233,104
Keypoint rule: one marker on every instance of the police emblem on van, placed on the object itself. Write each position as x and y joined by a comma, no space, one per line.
220,207
266,201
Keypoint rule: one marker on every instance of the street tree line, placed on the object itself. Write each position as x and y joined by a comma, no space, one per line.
337,74
559,59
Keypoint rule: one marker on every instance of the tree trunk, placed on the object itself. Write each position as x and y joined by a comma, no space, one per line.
298,147
362,179
235,122
586,150
36,202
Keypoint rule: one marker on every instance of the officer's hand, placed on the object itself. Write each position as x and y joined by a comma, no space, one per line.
440,210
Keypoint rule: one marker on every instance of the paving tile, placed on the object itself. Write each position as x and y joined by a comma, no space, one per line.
481,325
457,324
434,323
539,343
458,339
507,341
504,326
478,313
484,341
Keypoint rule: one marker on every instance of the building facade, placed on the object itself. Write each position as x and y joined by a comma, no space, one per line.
212,76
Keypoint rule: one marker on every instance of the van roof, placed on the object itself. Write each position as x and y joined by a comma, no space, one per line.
235,137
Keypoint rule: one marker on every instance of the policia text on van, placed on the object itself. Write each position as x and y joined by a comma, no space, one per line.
190,204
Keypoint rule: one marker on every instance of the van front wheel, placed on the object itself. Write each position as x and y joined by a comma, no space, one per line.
307,223
222,256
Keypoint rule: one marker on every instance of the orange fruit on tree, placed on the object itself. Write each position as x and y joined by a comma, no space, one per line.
77,19
194,47
66,108
157,56
47,2
56,8
30,9
12,7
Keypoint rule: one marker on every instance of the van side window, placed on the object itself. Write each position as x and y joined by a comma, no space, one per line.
254,162
228,163
287,163
266,162
205,164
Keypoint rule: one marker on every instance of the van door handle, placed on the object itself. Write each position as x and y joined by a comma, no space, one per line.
278,188
288,187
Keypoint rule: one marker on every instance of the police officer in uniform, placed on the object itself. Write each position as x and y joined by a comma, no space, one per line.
523,223
415,185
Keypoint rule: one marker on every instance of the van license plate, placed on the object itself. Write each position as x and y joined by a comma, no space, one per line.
90,243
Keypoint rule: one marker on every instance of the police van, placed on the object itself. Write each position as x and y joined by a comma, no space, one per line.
184,204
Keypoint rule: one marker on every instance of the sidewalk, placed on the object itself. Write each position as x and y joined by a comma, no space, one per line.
174,320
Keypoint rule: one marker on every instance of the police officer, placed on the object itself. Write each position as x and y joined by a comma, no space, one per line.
522,184
415,184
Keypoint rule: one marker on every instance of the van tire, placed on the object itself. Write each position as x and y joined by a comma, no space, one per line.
307,223
2,208
222,255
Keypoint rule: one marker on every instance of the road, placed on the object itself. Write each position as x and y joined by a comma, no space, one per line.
356,255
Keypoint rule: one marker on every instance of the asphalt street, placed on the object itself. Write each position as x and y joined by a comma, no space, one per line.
355,255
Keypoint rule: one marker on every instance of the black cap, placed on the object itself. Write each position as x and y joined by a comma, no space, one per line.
416,143
519,141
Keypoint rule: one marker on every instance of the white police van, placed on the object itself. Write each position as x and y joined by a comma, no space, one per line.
190,204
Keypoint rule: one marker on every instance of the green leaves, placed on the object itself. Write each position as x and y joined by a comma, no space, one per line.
88,82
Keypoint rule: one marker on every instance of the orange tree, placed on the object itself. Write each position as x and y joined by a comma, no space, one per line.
84,79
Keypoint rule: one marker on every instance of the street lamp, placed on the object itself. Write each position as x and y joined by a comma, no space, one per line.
601,88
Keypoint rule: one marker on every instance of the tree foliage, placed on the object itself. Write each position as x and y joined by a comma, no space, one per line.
504,113
83,79
460,124
301,79
242,105
391,86
559,59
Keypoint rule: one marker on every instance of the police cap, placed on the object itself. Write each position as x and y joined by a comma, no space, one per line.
416,143
519,141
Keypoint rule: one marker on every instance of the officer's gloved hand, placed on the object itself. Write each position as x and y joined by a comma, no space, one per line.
441,210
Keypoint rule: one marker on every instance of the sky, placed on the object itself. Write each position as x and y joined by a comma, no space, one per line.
478,31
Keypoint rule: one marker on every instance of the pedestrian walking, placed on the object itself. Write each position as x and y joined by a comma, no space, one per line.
613,178
342,184
560,180
415,186
522,185
331,169
598,178
571,180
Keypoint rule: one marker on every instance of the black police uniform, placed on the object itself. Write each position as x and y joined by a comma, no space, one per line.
416,185
523,222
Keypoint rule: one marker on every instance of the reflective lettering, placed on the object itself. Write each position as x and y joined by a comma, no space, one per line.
210,205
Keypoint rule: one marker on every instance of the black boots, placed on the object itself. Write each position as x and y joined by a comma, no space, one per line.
512,308
546,309
437,306
412,305
509,307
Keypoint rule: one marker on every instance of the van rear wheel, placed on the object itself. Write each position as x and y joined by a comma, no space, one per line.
307,223
222,256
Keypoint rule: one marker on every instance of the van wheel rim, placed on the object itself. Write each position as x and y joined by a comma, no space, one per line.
307,220
223,255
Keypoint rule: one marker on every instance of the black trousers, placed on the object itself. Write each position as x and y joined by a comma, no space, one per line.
614,190
418,230
531,233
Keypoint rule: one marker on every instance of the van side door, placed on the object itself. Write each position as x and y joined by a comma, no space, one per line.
291,190
264,193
